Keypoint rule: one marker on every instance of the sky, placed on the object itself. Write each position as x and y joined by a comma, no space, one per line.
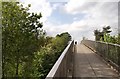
78,17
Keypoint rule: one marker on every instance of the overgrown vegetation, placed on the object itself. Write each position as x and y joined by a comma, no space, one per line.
105,36
26,49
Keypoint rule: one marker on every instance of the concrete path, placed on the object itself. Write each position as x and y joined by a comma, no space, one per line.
88,65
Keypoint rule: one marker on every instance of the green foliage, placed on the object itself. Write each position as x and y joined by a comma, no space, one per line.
20,38
105,36
99,35
112,39
27,51
48,55
118,38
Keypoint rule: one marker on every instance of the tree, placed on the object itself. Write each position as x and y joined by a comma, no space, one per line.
105,32
101,35
48,55
20,38
27,51
98,35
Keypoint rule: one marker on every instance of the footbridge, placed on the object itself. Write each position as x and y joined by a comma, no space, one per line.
87,60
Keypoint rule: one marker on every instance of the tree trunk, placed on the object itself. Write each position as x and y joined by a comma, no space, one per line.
17,66
3,66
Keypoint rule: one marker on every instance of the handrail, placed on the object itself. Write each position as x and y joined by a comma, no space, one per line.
109,51
61,67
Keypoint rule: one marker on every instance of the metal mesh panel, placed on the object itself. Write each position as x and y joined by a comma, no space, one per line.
108,51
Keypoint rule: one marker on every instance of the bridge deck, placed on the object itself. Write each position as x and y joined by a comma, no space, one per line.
88,64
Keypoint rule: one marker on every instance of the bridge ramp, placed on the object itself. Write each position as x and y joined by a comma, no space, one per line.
89,65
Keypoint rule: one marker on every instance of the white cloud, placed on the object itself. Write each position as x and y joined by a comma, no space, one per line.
56,5
58,0
98,14
38,6
76,29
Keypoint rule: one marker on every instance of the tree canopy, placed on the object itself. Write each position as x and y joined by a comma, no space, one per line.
26,50
99,35
105,36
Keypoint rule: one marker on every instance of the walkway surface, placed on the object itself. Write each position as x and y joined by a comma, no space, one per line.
89,65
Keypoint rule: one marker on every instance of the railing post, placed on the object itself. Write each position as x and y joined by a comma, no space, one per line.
118,50
107,50
71,61
74,51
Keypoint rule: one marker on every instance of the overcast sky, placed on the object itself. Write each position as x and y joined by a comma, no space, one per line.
78,17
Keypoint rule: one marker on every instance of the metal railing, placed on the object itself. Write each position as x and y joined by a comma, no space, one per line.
64,65
109,51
